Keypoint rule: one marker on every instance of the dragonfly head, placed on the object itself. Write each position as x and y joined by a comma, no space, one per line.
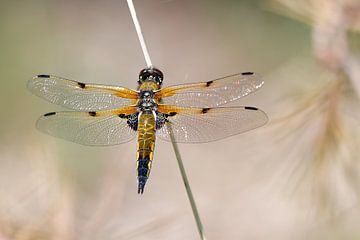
151,74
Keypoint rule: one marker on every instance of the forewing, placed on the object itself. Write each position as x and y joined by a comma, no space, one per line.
212,93
80,96
199,125
89,128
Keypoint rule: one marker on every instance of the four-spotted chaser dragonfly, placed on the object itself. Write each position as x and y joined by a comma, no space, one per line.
109,115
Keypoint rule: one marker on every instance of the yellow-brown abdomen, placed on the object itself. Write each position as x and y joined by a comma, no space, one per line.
145,148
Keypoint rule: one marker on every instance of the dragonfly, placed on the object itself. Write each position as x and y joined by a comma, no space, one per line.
109,115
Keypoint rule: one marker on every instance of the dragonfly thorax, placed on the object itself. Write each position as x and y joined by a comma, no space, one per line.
147,102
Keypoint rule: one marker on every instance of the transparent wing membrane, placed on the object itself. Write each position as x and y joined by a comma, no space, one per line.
199,125
191,110
212,93
80,96
89,128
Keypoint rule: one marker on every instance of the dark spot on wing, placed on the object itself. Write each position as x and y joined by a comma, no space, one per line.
209,83
133,121
43,76
172,114
205,110
49,114
251,108
122,115
247,73
93,114
81,85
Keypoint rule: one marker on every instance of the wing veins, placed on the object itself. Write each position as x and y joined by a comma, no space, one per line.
198,125
212,93
80,96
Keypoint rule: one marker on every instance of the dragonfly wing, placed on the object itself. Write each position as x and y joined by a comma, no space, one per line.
100,128
80,96
199,125
212,93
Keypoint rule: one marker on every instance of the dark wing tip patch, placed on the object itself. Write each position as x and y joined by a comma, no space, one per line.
92,114
49,114
122,115
205,110
81,85
251,108
247,73
209,83
43,76
171,114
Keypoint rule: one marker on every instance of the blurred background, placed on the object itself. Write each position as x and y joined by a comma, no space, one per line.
295,178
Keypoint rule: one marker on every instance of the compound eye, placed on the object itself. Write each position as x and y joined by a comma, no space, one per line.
153,74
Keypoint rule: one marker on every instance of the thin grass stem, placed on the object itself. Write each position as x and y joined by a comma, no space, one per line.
186,183
139,33
176,149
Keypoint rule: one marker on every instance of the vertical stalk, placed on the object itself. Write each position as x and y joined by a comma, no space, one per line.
176,149
186,183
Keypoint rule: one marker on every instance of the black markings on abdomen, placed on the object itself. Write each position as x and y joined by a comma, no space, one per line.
143,172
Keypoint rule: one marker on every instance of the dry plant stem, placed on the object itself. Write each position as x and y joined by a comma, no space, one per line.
139,33
176,149
186,183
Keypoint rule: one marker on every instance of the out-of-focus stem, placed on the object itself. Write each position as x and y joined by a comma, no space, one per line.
186,183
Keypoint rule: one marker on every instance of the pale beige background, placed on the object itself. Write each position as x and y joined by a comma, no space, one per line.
53,189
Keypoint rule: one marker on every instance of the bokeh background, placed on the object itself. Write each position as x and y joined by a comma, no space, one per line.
295,178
